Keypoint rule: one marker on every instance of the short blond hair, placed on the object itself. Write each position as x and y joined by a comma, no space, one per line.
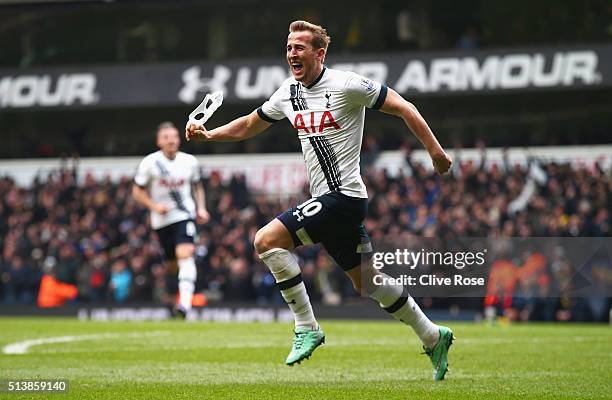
164,125
320,39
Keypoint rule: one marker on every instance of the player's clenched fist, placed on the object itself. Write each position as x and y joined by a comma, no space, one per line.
441,162
195,131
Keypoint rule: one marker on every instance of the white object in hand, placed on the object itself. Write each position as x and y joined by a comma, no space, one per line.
205,109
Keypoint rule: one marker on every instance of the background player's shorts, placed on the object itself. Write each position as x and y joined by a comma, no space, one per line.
176,233
335,220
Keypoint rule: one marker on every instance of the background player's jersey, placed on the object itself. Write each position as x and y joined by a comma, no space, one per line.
329,117
169,183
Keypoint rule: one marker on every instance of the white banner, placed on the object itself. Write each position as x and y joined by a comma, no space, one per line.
285,174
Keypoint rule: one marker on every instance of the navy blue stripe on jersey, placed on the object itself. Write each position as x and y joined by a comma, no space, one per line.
322,162
176,196
334,160
327,160
297,99
381,98
301,98
263,116
316,80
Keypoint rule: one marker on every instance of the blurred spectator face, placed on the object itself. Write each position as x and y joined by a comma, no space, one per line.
430,231
159,271
118,266
67,252
239,267
168,141
138,264
240,248
17,263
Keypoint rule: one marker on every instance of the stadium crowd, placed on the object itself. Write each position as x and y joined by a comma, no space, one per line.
94,239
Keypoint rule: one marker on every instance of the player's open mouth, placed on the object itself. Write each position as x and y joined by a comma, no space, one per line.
297,67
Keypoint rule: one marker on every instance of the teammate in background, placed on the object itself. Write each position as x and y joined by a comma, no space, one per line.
164,183
327,108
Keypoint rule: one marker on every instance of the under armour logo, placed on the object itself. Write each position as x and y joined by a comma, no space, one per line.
327,96
194,82
291,302
298,215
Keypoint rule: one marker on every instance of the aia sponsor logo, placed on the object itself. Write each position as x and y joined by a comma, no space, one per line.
171,184
314,122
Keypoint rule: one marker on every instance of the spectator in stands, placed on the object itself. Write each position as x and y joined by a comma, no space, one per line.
53,292
20,281
120,281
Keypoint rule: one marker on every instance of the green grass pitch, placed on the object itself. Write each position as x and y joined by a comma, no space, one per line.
360,360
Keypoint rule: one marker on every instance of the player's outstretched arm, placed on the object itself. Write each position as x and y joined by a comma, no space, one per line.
396,105
239,129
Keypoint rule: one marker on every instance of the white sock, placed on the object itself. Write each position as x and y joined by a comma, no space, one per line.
187,277
283,265
403,308
299,303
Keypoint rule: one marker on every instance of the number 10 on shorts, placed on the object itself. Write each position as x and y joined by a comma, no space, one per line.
307,209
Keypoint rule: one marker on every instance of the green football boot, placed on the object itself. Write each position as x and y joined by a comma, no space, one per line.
306,340
439,353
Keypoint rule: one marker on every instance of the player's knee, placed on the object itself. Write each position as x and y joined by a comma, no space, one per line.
355,276
357,286
272,236
356,283
184,250
263,241
268,238
362,278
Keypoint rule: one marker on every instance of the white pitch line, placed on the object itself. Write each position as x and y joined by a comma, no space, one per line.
23,346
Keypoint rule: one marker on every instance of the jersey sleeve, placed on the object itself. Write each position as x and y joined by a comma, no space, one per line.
366,92
271,111
143,174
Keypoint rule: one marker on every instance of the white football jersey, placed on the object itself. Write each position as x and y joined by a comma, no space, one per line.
169,182
329,117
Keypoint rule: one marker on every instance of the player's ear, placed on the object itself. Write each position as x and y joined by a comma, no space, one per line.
321,54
